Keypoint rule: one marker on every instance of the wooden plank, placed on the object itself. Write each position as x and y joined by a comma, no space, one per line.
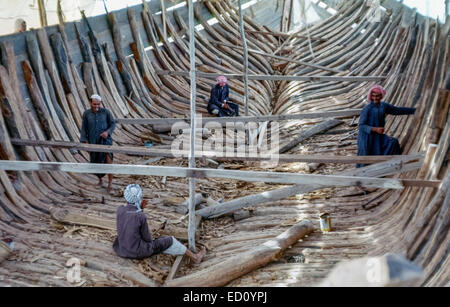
421,183
219,156
276,177
245,50
193,90
394,166
286,35
244,119
316,129
314,78
237,265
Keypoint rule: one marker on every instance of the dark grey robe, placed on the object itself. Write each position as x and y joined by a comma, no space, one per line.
92,126
133,236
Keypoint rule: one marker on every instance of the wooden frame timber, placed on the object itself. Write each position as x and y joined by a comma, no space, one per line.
276,177
286,158
244,119
314,78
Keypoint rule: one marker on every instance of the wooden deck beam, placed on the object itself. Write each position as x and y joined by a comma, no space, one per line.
243,119
218,156
275,177
276,77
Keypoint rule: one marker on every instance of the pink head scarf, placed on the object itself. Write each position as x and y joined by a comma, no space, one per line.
376,89
221,79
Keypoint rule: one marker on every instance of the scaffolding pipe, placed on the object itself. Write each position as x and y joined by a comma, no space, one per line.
244,41
447,10
191,226
42,13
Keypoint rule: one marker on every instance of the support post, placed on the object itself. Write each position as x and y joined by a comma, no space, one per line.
447,10
42,13
244,41
60,13
163,14
191,226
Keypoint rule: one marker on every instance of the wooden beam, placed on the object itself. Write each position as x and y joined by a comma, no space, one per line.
394,166
42,13
193,89
219,156
145,170
278,57
245,50
421,183
316,129
286,35
243,119
277,77
237,265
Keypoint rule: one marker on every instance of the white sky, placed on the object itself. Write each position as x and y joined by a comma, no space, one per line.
433,8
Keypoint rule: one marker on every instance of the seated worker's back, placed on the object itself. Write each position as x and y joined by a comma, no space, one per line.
133,236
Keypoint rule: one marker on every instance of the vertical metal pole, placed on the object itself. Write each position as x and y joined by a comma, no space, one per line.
163,14
447,10
42,13
241,24
191,226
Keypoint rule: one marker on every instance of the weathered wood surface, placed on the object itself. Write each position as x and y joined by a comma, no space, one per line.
278,177
281,58
260,118
315,78
238,265
375,170
5,251
319,128
219,156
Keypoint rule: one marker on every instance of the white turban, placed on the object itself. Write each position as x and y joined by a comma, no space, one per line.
133,195
221,79
18,24
95,96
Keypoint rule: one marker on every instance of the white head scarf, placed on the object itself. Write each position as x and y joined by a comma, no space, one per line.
95,96
18,24
133,195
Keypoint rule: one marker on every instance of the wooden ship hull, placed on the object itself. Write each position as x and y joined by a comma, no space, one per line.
47,75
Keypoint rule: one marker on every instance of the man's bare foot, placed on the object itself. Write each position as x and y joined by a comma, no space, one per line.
109,189
100,183
199,256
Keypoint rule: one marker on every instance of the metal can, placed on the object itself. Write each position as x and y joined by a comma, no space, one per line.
325,222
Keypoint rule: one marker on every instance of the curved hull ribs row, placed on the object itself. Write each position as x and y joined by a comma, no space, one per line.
47,75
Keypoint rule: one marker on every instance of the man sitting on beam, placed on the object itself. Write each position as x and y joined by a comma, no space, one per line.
219,102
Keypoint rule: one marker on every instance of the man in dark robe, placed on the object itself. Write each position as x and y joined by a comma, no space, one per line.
371,137
133,236
219,101
97,128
